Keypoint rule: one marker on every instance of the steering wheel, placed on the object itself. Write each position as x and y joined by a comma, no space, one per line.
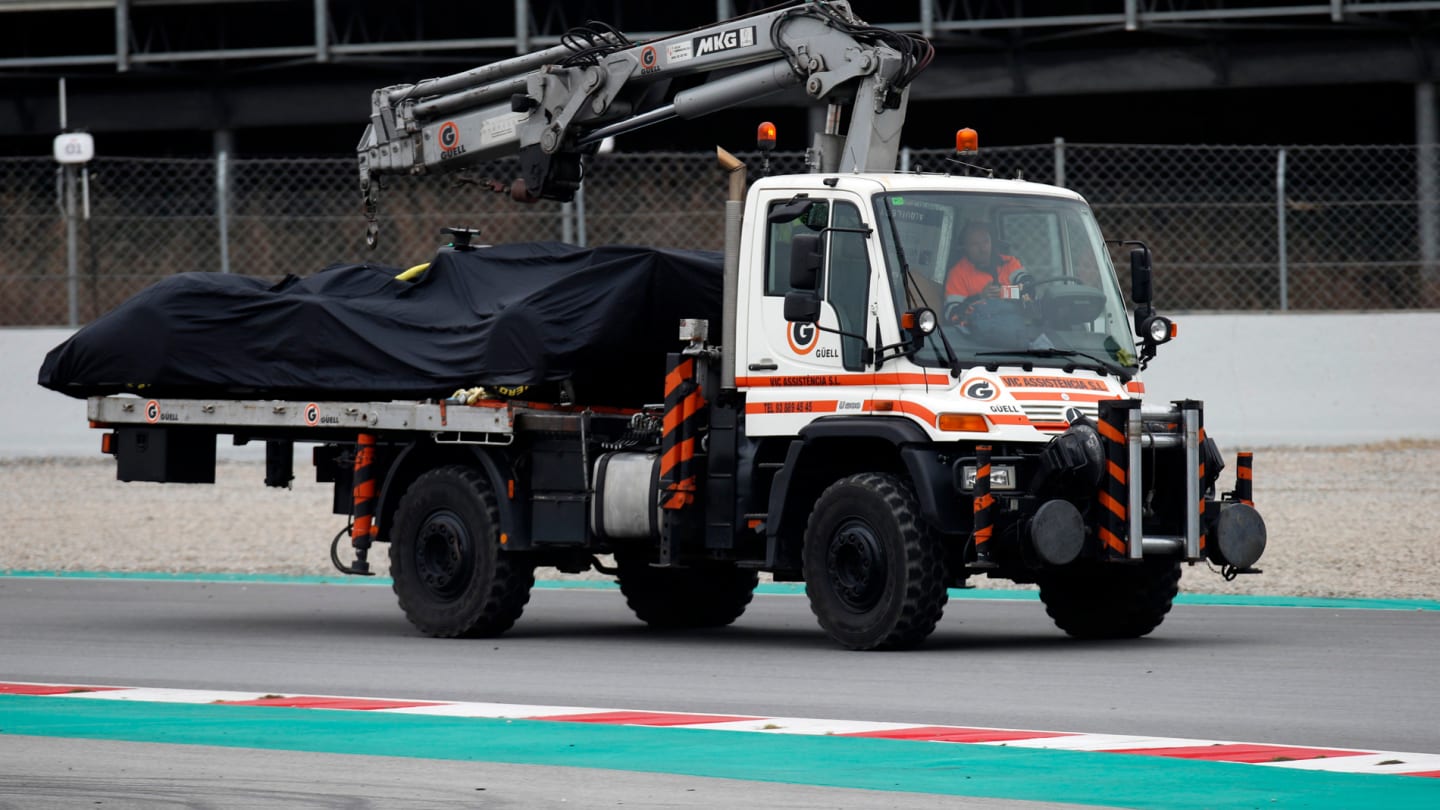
955,311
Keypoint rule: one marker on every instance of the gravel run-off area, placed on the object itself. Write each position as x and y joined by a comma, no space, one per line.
1347,522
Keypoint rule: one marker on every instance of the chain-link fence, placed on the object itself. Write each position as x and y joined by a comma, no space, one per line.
1232,228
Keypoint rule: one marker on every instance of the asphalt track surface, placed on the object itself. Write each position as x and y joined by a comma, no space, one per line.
1318,676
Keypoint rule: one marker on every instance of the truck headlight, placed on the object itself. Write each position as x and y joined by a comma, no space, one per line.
1157,329
1002,476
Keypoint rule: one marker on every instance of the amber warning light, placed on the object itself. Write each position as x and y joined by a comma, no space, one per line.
967,141
765,136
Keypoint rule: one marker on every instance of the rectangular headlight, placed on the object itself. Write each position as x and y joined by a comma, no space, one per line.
1002,476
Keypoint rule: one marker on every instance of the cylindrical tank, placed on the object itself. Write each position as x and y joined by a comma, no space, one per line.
627,496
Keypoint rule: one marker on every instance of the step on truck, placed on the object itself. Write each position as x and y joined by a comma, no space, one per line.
856,420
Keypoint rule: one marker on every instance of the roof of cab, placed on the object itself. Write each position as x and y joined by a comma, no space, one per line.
870,183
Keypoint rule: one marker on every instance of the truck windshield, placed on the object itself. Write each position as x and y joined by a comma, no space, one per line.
1018,275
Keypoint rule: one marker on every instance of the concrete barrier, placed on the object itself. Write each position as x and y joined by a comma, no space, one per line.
1266,380
37,422
1313,379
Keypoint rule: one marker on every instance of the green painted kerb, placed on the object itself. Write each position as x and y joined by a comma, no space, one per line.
771,588
1112,780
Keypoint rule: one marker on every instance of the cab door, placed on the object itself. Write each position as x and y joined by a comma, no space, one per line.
795,372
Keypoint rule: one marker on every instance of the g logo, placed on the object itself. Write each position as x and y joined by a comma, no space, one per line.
981,389
152,412
648,58
802,337
312,414
449,136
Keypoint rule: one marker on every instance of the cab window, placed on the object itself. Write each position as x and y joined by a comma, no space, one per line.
847,277
777,247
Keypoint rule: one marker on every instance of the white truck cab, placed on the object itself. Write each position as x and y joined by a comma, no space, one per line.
1029,360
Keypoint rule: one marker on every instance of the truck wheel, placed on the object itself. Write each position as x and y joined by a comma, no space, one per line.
445,560
672,598
874,570
1115,600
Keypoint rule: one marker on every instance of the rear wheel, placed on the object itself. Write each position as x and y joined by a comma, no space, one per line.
711,596
1116,600
874,570
449,573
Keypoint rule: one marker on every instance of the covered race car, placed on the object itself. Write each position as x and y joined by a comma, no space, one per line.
510,315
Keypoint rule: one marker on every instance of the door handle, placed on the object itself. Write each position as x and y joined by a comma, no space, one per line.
763,367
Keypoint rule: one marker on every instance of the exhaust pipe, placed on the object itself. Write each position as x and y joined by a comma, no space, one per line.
734,218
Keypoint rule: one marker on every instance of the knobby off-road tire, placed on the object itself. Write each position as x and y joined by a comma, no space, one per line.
449,573
1113,600
874,570
673,598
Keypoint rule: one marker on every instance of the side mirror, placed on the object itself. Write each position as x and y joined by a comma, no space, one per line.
805,261
802,306
1140,275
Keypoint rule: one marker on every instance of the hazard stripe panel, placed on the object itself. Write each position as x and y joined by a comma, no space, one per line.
1258,754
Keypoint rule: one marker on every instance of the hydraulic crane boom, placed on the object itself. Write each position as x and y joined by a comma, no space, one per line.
554,106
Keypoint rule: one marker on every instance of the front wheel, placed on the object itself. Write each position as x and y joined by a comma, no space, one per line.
1110,600
874,570
449,573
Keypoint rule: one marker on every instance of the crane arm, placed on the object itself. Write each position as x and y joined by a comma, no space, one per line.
551,107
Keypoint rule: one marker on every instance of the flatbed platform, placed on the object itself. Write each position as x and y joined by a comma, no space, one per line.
484,422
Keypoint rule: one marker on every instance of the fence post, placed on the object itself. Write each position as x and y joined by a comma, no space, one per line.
1281,248
1427,182
72,248
222,195
567,225
580,217
1060,162
904,159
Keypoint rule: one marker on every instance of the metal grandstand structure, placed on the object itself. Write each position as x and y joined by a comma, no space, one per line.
122,35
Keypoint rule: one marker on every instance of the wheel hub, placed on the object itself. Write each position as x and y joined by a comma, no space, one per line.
444,554
857,565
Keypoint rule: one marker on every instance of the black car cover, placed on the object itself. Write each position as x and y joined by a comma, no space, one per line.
518,314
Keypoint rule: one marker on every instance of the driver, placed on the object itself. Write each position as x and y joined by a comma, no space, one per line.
982,270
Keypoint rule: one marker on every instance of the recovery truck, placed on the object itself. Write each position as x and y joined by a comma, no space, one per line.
846,424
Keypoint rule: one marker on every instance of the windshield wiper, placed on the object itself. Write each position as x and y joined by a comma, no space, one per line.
1096,364
910,279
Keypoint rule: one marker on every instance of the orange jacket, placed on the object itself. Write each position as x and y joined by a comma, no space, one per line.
965,279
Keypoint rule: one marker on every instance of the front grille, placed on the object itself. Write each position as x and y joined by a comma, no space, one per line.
1054,412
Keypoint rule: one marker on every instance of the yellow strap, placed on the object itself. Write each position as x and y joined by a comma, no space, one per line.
409,275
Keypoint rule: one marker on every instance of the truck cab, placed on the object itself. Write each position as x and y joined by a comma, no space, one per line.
1029,359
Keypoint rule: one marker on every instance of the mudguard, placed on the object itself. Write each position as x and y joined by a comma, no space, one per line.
870,444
